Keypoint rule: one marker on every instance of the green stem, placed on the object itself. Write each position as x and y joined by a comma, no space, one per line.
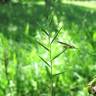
50,52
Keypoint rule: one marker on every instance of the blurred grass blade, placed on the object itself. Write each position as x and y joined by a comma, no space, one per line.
58,74
45,32
43,46
92,82
66,45
50,22
58,54
50,19
44,61
56,35
48,71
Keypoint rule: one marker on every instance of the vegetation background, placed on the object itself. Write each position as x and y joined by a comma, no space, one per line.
22,72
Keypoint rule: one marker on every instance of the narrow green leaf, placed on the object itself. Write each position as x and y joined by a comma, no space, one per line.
58,54
45,32
44,61
56,35
48,71
50,22
50,19
43,46
58,74
66,45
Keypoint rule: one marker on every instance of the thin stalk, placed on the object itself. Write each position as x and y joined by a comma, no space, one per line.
50,53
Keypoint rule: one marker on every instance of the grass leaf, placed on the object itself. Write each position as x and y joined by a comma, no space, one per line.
43,46
58,54
58,74
56,35
44,61
51,19
66,45
45,32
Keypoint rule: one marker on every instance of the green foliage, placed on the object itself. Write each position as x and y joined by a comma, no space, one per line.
50,66
69,26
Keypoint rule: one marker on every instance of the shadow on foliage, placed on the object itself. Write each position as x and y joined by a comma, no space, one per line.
19,22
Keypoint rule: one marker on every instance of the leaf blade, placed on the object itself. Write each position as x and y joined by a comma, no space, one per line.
45,31
43,46
44,61
58,54
56,35
58,74
66,45
50,22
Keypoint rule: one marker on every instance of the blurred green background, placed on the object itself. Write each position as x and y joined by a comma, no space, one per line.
22,72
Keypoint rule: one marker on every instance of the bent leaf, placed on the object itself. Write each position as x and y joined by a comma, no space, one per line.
44,61
58,54
56,35
66,45
43,46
